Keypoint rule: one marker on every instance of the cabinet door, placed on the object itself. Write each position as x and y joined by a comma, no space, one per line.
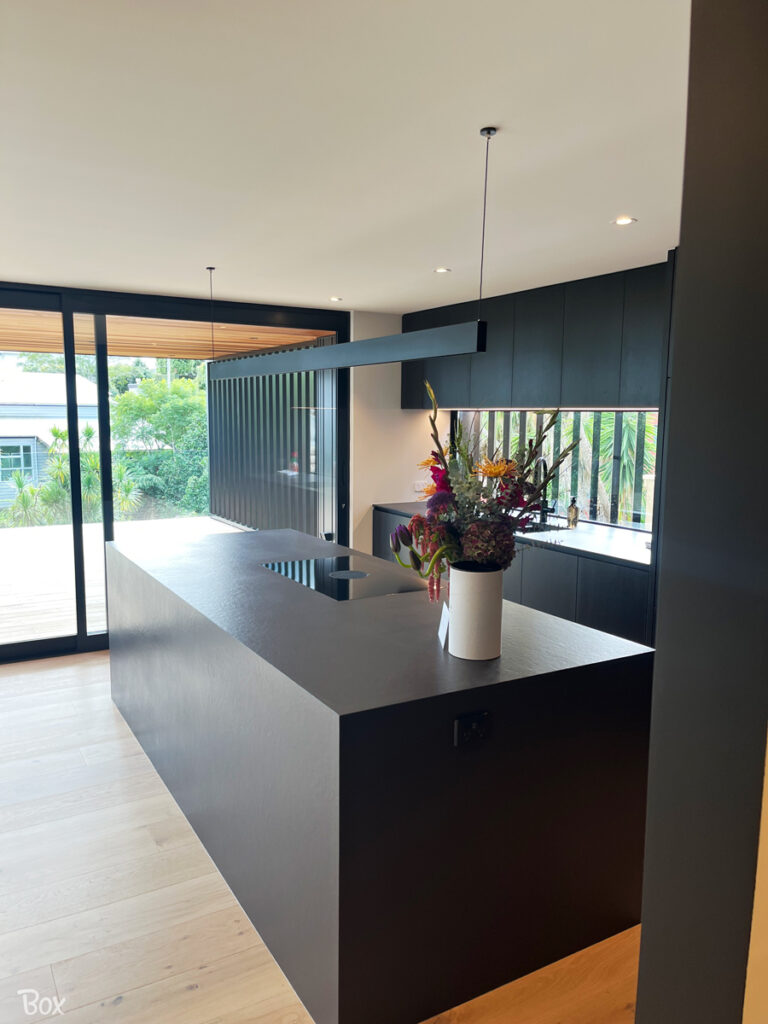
592,342
385,523
412,385
644,336
490,384
538,358
613,598
549,581
513,578
448,375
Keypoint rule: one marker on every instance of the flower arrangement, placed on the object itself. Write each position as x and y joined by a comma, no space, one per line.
474,507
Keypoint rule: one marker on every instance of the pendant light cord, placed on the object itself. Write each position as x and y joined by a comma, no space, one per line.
210,281
488,134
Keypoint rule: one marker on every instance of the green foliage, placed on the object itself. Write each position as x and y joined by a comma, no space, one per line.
180,368
51,502
162,434
154,416
123,375
160,447
53,362
626,456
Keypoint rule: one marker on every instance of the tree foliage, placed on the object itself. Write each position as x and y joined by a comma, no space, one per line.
160,447
53,362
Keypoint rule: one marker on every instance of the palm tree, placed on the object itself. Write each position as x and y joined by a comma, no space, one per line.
23,510
126,493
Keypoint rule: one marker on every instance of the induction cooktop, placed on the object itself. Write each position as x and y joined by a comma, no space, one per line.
348,577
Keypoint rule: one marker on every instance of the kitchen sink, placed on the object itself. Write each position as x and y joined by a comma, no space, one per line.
543,528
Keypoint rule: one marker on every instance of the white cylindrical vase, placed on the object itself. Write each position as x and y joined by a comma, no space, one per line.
474,630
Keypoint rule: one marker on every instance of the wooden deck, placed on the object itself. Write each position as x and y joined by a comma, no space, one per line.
109,902
37,577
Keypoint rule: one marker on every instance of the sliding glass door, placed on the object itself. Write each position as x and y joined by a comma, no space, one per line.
37,553
104,415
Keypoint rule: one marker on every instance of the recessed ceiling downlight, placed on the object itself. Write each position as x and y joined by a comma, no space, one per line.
623,219
336,298
442,270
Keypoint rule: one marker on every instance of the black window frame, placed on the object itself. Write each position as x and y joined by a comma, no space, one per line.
102,303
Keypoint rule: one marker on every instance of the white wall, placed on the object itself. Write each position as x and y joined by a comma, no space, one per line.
386,442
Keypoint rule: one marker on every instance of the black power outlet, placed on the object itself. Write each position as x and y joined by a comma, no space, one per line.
472,729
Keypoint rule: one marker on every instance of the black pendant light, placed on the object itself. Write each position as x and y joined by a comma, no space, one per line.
210,286
454,339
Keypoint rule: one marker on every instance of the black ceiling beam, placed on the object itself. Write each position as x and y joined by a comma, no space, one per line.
453,340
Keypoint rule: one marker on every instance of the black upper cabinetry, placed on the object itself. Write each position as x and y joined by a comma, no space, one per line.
647,298
538,347
592,342
596,343
448,375
490,372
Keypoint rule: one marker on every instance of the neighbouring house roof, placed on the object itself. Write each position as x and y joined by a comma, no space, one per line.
20,388
31,404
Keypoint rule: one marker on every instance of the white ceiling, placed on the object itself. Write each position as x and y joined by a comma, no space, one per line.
311,148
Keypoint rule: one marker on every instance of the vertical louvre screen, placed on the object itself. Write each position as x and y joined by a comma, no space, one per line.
273,451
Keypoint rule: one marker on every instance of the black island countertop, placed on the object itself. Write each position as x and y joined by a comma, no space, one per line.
383,650
406,830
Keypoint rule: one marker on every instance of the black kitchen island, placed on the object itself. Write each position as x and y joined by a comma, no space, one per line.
406,830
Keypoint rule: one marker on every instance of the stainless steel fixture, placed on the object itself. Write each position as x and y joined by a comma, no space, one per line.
540,470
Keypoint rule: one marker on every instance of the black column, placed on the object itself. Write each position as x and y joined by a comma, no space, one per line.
711,687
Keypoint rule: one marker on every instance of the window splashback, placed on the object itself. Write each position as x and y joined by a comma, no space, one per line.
611,474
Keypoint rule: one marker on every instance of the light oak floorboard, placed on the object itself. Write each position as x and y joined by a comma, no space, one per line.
134,963
84,932
59,838
32,742
76,693
12,1009
24,768
98,888
55,783
93,798
108,900
39,865
112,750
248,985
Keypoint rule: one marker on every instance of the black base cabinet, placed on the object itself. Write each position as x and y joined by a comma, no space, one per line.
549,581
613,598
385,523
610,596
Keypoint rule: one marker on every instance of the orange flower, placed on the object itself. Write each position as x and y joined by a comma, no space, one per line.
428,491
495,468
428,463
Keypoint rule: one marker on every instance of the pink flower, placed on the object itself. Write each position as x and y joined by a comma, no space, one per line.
440,479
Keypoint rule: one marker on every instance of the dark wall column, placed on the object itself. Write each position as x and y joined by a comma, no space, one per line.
710,688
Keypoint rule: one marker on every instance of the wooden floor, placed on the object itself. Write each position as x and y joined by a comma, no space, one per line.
109,902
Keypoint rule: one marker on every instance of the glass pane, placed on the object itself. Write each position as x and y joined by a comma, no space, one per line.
611,474
37,576
159,430
90,474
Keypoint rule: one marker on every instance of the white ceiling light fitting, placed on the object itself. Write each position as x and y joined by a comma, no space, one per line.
336,298
623,220
441,270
